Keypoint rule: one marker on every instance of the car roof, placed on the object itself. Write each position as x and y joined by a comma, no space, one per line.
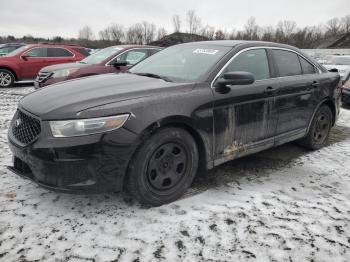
135,46
55,45
235,43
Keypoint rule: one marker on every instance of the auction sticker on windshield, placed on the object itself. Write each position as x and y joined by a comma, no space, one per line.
205,51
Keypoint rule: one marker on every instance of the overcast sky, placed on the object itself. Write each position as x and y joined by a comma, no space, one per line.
49,18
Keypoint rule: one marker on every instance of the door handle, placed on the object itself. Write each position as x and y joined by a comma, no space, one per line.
270,90
315,84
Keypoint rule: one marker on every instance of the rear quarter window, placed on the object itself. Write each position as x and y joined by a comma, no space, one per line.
287,62
82,51
58,52
306,66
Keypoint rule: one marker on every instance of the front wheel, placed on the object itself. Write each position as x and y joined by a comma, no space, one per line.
7,79
163,168
318,134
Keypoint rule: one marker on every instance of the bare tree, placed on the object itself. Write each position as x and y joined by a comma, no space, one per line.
161,33
86,33
176,23
333,26
104,34
219,35
134,34
208,32
345,21
116,33
289,27
149,31
251,29
193,22
268,34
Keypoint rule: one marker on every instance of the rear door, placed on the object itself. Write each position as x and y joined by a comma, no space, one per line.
295,97
59,55
245,117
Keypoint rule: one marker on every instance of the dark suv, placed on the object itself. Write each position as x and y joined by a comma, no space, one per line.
112,59
190,105
25,62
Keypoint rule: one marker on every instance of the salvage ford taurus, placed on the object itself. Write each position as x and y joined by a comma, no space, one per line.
189,106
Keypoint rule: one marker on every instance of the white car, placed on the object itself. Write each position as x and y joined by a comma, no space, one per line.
342,63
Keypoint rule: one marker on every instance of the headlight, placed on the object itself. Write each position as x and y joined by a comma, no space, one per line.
63,72
81,127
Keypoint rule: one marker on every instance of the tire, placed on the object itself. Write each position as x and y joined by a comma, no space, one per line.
321,125
7,79
163,168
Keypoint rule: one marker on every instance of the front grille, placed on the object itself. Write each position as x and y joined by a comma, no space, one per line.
42,76
25,129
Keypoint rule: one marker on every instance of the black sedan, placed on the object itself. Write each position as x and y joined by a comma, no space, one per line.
190,106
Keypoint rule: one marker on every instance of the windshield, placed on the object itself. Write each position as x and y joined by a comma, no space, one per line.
17,51
339,60
101,55
182,63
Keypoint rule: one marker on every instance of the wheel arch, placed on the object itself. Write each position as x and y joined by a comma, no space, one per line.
332,106
11,70
183,122
328,102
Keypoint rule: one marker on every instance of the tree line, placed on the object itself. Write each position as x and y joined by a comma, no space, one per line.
286,31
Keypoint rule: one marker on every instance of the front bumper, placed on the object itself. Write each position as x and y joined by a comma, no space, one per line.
346,96
95,163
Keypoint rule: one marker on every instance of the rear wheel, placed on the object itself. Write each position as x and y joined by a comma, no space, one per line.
7,78
318,134
163,168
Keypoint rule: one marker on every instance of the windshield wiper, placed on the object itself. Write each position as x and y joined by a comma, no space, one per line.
154,76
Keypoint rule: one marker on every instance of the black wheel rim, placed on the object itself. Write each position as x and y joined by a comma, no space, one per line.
321,129
167,166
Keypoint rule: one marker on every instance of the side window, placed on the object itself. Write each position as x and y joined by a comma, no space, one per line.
132,57
37,52
82,51
287,63
153,51
253,61
58,52
307,67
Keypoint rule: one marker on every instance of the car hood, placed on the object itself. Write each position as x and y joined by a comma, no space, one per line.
65,100
63,66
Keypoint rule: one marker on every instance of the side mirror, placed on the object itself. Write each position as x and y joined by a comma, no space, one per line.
234,78
120,64
334,70
24,57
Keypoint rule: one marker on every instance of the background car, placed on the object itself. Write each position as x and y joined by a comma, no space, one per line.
340,62
25,62
112,59
8,48
346,92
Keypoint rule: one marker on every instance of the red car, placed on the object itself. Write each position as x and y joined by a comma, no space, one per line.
25,62
112,59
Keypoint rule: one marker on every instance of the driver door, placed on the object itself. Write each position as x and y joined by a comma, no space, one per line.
245,116
32,61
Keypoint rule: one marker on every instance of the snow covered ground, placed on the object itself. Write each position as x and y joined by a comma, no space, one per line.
284,204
